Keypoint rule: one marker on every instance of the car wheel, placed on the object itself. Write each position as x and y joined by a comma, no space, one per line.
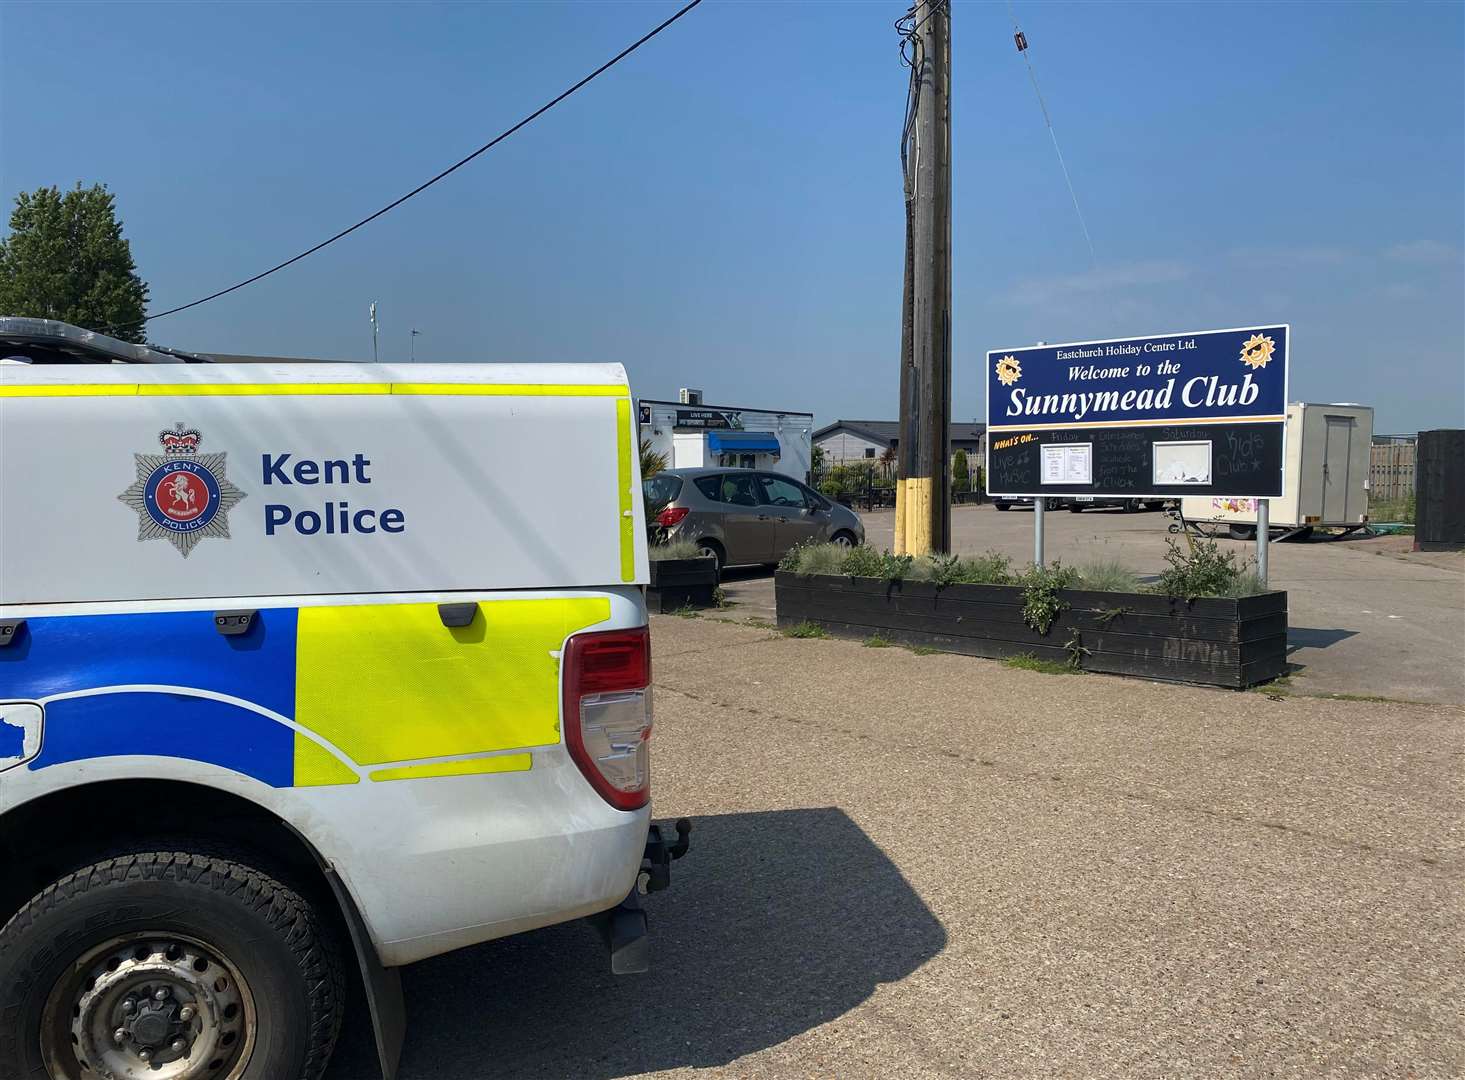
843,539
168,963
1075,509
1003,506
711,548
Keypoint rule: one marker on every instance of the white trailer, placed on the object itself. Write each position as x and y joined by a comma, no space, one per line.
1324,483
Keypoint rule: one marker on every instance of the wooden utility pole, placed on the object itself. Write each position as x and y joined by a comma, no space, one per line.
923,492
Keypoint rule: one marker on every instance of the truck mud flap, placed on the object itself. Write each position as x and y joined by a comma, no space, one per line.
624,926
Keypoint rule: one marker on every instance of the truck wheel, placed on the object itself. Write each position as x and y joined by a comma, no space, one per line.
168,964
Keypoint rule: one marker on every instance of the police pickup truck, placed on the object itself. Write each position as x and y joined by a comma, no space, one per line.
303,671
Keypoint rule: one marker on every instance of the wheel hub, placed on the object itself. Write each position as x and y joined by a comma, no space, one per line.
149,1007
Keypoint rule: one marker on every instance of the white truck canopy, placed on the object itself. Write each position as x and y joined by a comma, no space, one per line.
142,481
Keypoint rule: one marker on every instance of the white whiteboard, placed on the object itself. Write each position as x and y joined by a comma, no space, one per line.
1182,462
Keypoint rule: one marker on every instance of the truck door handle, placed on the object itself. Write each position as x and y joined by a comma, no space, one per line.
455,616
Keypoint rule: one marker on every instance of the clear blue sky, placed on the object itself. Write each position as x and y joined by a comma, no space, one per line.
724,209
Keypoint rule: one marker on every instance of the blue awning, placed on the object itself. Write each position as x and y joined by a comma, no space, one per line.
742,442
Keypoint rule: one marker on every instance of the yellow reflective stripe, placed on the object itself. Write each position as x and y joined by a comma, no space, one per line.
311,389
473,766
628,516
315,766
70,390
512,389
257,389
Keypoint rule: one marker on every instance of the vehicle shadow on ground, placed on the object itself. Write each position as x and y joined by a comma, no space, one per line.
775,923
745,573
1303,637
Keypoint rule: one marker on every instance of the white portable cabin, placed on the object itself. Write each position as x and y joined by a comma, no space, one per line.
1325,474
693,435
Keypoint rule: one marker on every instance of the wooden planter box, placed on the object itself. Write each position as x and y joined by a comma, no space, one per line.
677,584
1216,642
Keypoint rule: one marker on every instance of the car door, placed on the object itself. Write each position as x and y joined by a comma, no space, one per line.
786,505
746,528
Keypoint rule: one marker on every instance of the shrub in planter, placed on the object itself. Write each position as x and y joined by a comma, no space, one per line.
681,578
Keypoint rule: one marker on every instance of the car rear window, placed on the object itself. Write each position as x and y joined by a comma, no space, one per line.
660,490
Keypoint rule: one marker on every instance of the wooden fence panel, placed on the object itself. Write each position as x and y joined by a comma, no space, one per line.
1391,471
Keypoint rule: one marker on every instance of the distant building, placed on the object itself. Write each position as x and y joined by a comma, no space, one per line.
693,434
859,440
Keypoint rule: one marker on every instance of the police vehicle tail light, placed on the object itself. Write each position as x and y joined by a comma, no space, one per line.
671,516
607,712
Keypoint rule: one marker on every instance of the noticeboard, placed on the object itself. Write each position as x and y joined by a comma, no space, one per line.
1201,413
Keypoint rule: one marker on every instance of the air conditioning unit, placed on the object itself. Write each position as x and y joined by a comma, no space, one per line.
689,397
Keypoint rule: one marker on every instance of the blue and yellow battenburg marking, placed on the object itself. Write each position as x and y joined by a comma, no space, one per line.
363,685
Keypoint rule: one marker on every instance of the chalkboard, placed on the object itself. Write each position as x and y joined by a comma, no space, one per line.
1245,460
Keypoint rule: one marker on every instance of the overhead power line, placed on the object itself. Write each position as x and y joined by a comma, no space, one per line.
1022,47
602,69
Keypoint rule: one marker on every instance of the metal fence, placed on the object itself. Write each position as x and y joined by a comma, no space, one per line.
1391,468
870,485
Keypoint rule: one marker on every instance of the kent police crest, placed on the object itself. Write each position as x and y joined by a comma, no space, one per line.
181,495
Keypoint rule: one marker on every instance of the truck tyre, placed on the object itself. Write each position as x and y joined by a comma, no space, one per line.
168,963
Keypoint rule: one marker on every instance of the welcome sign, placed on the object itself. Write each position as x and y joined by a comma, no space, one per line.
1169,414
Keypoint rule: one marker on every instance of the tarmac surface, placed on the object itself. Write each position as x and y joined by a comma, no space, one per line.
1366,616
939,866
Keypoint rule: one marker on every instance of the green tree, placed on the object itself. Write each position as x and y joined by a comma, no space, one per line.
961,475
65,258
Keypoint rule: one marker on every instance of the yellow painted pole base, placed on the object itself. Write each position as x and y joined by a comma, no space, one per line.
914,501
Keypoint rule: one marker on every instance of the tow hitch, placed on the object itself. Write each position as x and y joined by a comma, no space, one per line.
624,926
656,863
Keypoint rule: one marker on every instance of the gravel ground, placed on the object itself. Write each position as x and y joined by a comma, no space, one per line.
934,866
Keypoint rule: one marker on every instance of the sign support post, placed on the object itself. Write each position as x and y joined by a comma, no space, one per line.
1263,537
1038,505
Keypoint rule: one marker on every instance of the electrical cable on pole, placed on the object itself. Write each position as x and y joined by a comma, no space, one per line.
1021,41
612,62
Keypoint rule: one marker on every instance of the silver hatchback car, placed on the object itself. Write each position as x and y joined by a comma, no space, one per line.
743,516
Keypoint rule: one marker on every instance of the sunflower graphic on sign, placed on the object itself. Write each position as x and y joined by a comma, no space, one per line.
1256,351
1008,370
